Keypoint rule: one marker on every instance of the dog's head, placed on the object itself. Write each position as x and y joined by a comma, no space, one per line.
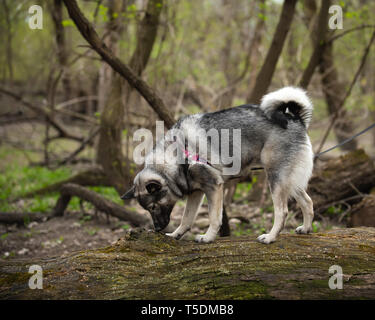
156,192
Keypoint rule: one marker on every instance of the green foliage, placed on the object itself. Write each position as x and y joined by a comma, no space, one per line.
131,11
125,226
334,210
316,226
85,218
243,189
108,192
68,23
242,229
262,16
17,180
92,231
103,12
4,236
60,240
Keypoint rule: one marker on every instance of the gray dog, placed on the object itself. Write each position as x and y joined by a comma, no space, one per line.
272,135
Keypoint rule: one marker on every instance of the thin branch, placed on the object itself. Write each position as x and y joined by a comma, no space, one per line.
338,36
43,111
46,112
80,148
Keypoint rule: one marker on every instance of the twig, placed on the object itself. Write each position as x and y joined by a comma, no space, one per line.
74,101
320,209
80,148
361,27
349,208
44,111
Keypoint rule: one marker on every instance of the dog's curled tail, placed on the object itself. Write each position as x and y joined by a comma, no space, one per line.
287,101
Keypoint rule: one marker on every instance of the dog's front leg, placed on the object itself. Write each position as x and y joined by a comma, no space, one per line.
193,204
215,213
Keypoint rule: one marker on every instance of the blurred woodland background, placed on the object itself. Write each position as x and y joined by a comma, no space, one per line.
73,93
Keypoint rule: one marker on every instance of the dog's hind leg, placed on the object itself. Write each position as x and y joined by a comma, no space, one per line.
280,204
193,204
306,204
215,214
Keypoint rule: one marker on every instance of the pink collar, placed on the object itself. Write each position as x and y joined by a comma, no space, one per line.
194,157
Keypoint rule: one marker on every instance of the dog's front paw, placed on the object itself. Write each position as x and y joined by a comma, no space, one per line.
204,238
303,230
266,238
175,235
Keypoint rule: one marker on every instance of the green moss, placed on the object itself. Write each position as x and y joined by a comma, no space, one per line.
149,265
17,278
367,248
248,290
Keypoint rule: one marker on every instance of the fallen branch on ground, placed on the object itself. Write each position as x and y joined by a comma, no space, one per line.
102,204
21,218
70,190
342,178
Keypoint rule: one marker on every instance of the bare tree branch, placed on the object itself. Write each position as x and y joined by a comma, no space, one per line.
45,112
89,33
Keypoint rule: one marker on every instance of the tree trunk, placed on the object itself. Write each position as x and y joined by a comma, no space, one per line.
264,77
9,49
114,30
148,265
333,90
109,152
62,50
88,32
109,149
318,36
255,47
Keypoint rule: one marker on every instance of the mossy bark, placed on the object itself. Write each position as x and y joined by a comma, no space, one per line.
148,265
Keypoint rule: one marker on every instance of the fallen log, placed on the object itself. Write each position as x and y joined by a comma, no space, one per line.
342,178
21,218
363,213
102,204
149,265
69,190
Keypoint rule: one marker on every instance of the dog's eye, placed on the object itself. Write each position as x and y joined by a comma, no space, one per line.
153,187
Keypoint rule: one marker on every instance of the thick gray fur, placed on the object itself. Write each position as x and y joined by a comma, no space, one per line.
272,136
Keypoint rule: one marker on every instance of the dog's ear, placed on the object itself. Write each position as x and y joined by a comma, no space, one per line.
129,194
